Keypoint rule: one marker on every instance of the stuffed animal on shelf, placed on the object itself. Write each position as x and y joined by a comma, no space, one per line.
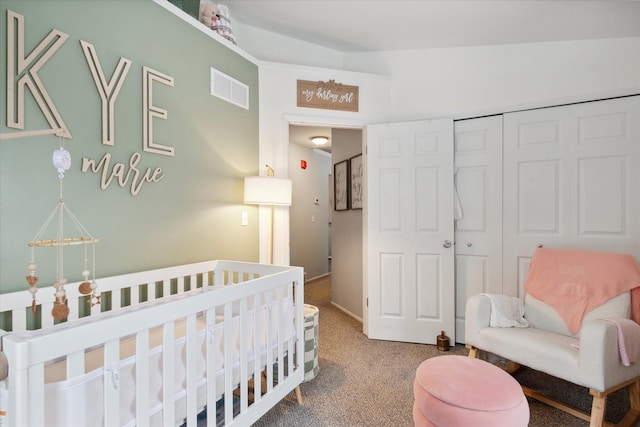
216,17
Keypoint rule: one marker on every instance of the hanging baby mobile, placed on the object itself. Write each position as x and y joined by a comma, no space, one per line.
62,163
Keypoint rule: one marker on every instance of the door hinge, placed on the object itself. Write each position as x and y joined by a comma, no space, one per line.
367,302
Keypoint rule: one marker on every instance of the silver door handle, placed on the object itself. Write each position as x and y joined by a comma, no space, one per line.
446,244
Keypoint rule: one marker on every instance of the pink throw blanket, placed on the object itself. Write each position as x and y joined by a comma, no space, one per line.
628,340
575,282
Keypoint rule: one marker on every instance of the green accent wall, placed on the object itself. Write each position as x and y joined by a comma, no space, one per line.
193,213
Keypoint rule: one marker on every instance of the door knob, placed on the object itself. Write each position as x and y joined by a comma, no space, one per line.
446,244
469,244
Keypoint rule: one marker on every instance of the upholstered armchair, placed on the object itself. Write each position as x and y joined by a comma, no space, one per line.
595,345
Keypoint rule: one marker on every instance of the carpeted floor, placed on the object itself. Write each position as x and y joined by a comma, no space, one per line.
366,382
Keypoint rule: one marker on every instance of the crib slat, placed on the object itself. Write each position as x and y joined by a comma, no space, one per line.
142,378
244,351
191,371
269,340
279,341
290,324
257,342
166,288
19,320
36,395
111,383
180,284
47,318
73,309
211,370
116,299
168,371
135,294
228,363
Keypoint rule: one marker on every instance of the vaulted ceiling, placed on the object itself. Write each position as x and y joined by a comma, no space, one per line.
376,25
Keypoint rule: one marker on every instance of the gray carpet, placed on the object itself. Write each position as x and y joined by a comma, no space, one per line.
366,382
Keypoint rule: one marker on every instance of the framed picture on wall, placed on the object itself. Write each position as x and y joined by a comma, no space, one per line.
341,185
355,182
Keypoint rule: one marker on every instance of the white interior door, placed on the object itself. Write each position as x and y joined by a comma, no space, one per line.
478,224
409,231
572,175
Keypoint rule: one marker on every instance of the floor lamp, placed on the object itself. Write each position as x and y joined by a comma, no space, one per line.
268,191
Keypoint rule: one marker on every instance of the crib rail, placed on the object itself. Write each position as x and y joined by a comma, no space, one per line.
225,292
127,290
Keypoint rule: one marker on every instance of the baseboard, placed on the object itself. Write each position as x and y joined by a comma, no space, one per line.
347,312
317,277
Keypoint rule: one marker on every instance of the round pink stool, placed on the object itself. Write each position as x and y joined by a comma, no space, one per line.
462,391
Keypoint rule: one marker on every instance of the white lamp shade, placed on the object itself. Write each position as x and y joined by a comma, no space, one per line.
267,190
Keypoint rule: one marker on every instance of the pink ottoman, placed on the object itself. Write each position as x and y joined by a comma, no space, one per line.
462,391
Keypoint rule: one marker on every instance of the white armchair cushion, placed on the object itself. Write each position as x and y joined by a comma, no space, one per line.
543,316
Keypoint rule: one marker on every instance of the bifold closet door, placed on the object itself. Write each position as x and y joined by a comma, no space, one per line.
571,180
478,223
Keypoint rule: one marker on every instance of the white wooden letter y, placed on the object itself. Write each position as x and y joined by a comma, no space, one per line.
108,90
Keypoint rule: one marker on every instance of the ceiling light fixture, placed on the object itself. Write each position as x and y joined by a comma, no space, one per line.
319,140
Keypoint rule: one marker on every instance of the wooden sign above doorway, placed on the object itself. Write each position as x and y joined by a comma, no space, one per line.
327,95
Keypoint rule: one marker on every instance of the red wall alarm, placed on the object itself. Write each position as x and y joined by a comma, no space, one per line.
303,164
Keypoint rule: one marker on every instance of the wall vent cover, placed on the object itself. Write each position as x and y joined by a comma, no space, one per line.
229,89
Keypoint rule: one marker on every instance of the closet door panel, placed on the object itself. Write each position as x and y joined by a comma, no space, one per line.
478,229
602,182
571,179
608,175
539,200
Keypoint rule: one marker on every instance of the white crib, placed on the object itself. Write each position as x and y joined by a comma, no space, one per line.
211,327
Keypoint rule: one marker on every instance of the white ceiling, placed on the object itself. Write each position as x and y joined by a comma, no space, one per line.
301,135
376,25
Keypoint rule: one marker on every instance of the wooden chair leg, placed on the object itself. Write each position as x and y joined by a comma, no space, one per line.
298,395
473,352
634,395
598,409
599,405
632,418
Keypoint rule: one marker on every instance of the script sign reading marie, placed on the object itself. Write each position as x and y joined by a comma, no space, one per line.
327,95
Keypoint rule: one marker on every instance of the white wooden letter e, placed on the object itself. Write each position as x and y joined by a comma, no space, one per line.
149,111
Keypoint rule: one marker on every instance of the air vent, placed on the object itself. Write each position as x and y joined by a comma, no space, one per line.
229,89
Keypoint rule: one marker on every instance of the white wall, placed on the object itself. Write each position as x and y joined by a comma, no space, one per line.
346,240
278,108
309,222
471,81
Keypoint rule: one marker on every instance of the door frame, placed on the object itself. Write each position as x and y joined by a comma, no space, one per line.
332,122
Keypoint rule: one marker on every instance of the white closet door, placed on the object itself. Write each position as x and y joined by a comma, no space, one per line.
571,180
478,229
